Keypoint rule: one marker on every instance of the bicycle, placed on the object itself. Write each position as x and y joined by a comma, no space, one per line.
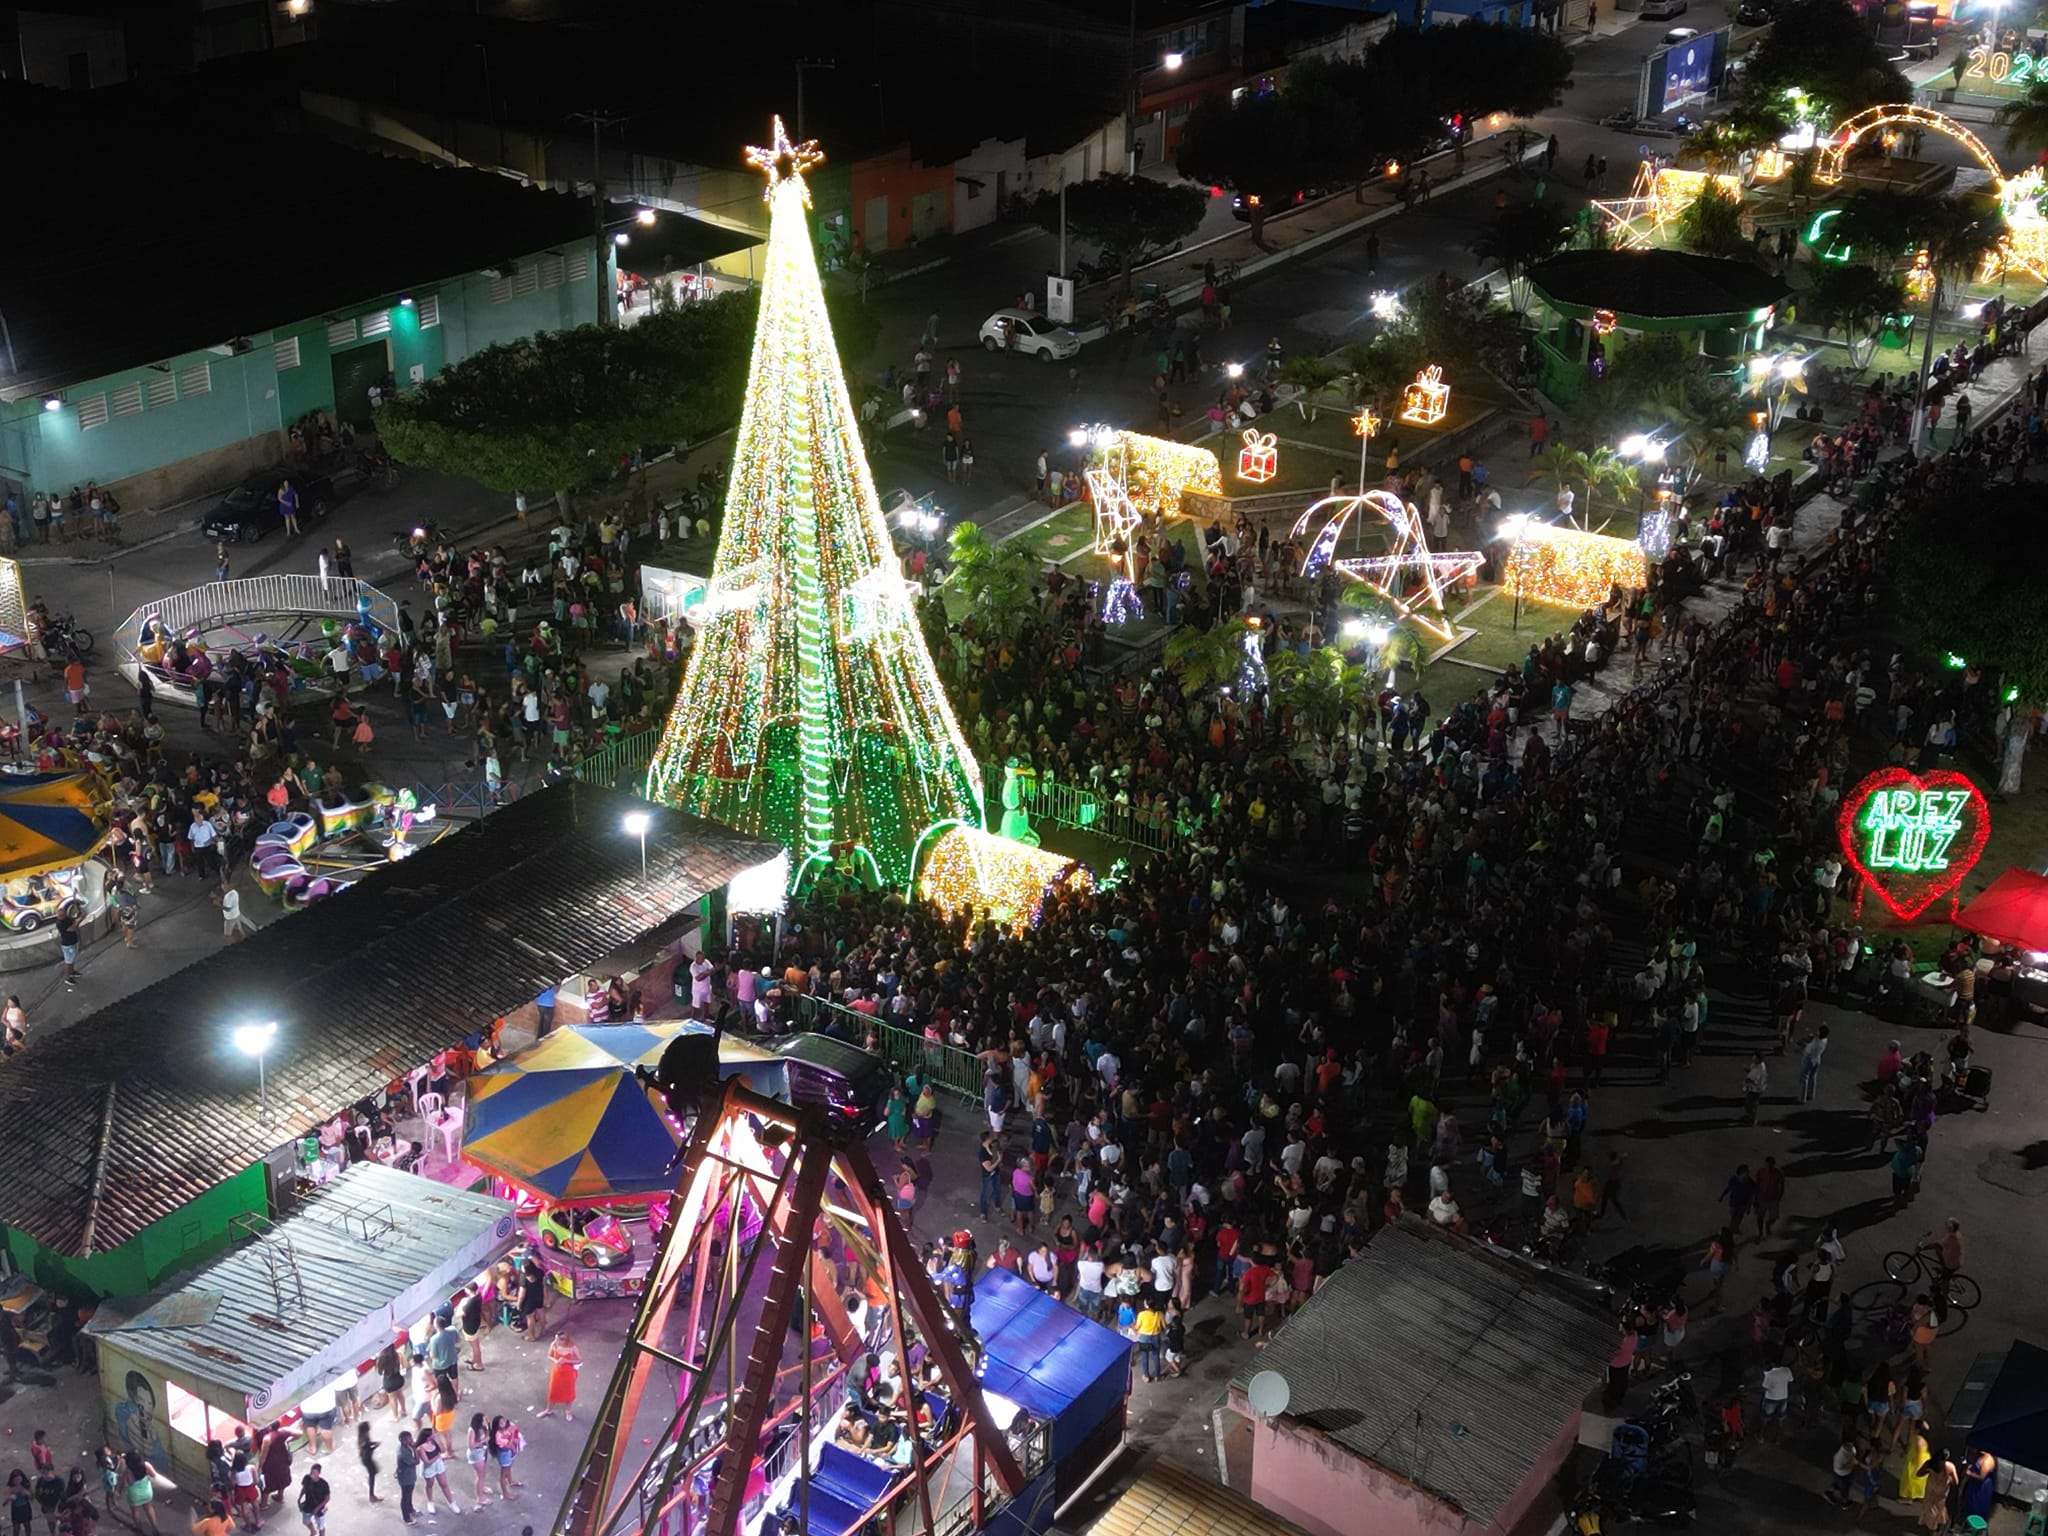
1909,1266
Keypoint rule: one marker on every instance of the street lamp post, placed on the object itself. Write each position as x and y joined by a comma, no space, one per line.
636,825
1365,423
1513,527
1167,61
254,1040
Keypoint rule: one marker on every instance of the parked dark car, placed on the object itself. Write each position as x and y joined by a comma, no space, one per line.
249,511
1756,13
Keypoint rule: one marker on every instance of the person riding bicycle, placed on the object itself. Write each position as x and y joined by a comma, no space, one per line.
1949,1248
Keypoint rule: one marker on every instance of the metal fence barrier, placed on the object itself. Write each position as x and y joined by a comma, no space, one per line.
622,765
1152,828
947,1066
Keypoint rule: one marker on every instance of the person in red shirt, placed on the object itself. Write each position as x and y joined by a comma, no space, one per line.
1596,1051
1251,1298
1226,1251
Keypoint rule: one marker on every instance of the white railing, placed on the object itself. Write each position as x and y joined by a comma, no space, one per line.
258,596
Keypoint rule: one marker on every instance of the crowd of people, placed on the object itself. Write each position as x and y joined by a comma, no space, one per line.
1222,1070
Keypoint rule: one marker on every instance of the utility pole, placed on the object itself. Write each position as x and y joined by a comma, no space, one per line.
801,66
607,302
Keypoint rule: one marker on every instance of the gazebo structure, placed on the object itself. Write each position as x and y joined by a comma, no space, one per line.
1589,305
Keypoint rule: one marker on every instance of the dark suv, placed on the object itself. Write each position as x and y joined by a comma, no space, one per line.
249,511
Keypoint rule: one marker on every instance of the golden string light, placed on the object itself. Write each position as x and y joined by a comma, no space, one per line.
969,870
1569,568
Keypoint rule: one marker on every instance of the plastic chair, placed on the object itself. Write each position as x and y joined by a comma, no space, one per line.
2037,1515
430,1106
449,1128
416,1082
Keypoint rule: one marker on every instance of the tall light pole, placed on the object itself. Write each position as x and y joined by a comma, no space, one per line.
254,1040
636,824
600,255
1365,423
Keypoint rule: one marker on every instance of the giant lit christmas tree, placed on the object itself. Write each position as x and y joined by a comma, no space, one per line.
811,712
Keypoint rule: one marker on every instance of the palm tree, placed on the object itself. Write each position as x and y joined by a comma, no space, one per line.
1712,421
996,583
1802,175
1599,468
1207,658
2025,120
1311,376
1523,235
1960,234
1856,299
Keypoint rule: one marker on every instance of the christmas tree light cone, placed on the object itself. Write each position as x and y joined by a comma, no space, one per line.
810,712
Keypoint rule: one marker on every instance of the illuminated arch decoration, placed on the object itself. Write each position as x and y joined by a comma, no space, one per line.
1911,837
1851,130
1408,575
2026,241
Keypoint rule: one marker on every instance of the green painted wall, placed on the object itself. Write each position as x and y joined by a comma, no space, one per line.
194,404
179,1241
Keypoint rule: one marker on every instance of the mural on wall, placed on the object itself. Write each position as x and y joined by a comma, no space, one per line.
135,1421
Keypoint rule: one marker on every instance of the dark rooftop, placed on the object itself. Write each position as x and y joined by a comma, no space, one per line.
1657,284
1446,1364
205,225
146,1104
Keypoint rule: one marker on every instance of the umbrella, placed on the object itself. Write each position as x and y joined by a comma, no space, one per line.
2013,909
568,1121
52,820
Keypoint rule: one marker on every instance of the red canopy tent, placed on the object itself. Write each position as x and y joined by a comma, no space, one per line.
2012,910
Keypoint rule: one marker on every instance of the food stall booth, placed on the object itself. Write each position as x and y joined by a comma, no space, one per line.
296,1304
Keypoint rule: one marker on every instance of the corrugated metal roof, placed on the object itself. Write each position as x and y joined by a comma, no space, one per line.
1167,1500
365,986
329,1277
1451,1367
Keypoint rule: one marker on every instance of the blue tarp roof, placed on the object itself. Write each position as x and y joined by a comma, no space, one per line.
2012,1424
1047,1358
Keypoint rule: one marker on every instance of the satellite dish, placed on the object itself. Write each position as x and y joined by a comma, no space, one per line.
1268,1393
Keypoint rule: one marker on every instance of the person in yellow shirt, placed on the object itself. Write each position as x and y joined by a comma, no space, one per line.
1149,1331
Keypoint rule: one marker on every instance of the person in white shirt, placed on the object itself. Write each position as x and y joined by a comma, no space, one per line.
1165,1269
1777,1396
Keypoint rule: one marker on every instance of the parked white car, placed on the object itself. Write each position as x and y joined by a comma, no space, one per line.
1033,335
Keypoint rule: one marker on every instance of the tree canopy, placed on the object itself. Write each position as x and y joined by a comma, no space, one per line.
1123,215
559,409
1825,49
1334,124
1476,69
1970,599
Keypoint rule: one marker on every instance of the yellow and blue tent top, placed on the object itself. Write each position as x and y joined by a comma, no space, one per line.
568,1121
52,820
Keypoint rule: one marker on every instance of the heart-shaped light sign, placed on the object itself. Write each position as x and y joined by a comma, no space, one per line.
1912,837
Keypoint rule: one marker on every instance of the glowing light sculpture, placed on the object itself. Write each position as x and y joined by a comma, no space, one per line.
969,870
1135,478
811,712
1424,402
1569,568
1911,838
1409,576
1259,459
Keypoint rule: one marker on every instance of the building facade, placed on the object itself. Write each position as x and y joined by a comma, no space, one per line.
180,426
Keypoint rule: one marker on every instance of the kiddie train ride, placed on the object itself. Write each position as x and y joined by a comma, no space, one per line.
307,856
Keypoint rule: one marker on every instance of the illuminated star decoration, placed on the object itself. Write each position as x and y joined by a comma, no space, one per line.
783,161
1365,423
1408,564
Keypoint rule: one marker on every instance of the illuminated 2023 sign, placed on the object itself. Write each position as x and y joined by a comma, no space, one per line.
1912,837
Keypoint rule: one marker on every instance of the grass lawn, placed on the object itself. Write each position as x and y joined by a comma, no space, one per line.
1332,427
1068,530
1497,642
